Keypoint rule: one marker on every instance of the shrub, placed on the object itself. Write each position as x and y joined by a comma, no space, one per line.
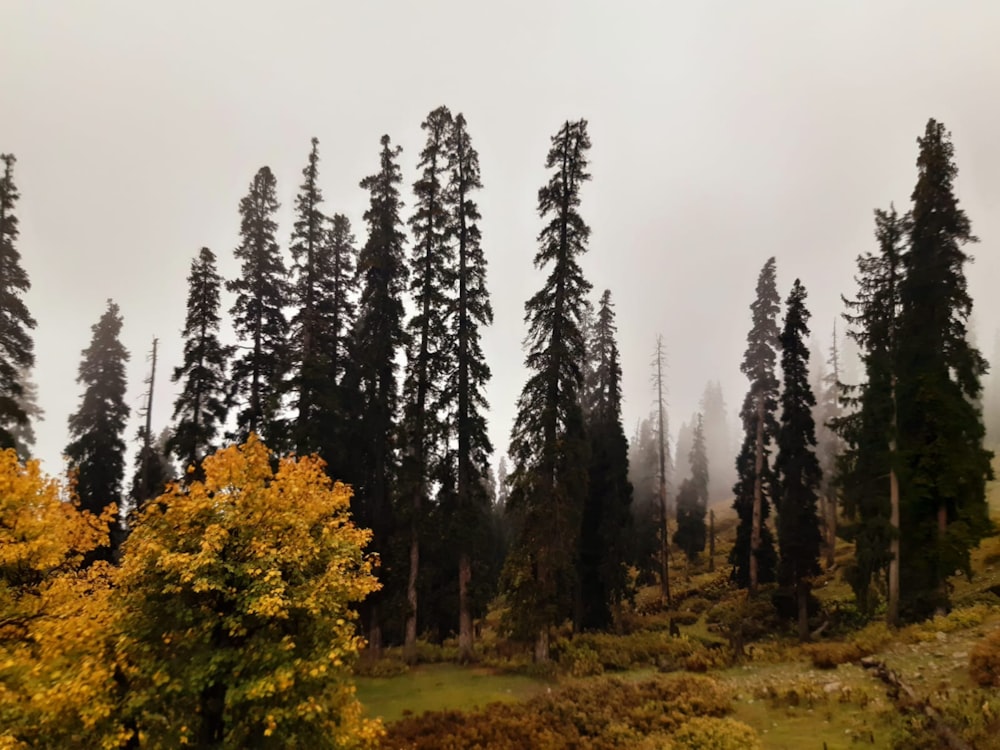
600,714
984,661
388,666
580,660
704,733
830,655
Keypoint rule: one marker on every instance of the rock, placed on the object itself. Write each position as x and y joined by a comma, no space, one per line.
831,687
942,637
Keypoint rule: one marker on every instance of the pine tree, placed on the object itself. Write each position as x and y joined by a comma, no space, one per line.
663,468
313,300
378,338
646,515
548,444
17,348
262,291
690,534
24,432
200,409
753,557
605,528
945,467
867,471
692,497
429,357
96,452
698,459
796,465
466,382
718,444
827,412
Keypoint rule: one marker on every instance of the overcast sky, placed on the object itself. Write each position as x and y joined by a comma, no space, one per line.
723,133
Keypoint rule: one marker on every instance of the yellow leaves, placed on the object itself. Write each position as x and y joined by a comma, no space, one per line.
246,580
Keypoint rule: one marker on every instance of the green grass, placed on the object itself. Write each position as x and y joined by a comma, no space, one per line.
433,687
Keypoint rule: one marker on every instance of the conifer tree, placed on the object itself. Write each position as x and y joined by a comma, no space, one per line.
753,557
944,512
312,298
828,444
718,445
378,338
17,348
262,291
96,451
24,432
796,465
465,383
698,458
646,514
200,409
691,533
429,356
867,471
692,497
548,444
606,528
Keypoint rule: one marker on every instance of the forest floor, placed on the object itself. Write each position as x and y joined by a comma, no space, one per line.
777,690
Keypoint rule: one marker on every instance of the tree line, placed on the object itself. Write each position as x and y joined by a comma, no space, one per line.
327,362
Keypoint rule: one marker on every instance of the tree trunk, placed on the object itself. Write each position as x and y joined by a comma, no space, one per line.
802,590
758,492
942,528
465,634
374,634
831,529
211,705
410,642
542,645
892,613
711,541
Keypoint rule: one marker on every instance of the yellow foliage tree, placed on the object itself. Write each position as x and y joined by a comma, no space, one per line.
234,601
57,686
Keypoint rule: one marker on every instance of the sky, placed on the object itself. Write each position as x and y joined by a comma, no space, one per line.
723,133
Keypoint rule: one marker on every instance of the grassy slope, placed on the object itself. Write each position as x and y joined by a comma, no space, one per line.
791,704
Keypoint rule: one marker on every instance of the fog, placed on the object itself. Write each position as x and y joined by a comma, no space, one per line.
723,133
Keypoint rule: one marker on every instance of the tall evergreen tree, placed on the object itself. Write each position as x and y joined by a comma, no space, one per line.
698,459
429,356
663,467
312,298
692,497
548,444
262,291
24,432
17,348
200,409
96,451
605,529
646,513
378,338
796,465
718,443
867,471
944,512
827,388
465,384
753,557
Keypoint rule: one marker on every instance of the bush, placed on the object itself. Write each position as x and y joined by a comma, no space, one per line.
600,714
580,660
830,655
984,661
701,733
388,666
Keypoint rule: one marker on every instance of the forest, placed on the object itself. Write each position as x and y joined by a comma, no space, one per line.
326,517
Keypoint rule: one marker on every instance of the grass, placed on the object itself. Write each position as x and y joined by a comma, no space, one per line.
790,704
433,687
